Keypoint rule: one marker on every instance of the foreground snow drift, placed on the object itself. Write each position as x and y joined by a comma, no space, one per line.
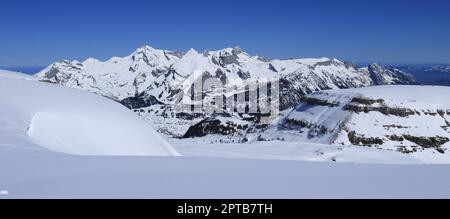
71,121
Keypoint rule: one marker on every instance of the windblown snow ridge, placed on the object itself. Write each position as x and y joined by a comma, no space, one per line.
71,121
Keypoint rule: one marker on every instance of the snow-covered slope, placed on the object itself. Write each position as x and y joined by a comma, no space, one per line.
386,75
292,151
16,75
149,79
66,120
409,119
31,174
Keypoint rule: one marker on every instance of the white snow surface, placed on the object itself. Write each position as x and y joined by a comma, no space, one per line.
71,121
75,122
291,151
27,173
411,96
17,75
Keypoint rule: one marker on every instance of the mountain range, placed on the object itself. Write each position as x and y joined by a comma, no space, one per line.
148,81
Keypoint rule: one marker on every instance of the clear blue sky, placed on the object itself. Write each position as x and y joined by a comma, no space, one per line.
396,31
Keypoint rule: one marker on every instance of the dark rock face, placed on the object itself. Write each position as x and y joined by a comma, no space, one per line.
405,150
292,123
427,142
52,74
395,138
213,126
402,112
366,101
356,139
228,60
221,75
158,72
294,87
318,102
313,129
174,53
421,142
272,68
289,95
140,101
188,116
364,105
243,75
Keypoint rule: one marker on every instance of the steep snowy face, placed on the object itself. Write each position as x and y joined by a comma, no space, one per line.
116,78
311,75
408,119
66,120
385,75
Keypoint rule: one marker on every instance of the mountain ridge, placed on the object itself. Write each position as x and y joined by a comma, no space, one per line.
145,65
149,80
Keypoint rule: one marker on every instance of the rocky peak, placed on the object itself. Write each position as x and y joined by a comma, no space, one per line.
381,75
376,68
236,50
154,58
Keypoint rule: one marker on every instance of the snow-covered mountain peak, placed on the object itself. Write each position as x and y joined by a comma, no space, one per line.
231,53
147,55
191,52
146,49
387,75
318,61
90,61
68,62
157,74
261,58
236,50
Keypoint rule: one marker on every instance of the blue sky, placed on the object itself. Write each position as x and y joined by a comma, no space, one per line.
397,31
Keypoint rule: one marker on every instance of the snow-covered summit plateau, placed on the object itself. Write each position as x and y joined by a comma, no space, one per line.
413,120
38,115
